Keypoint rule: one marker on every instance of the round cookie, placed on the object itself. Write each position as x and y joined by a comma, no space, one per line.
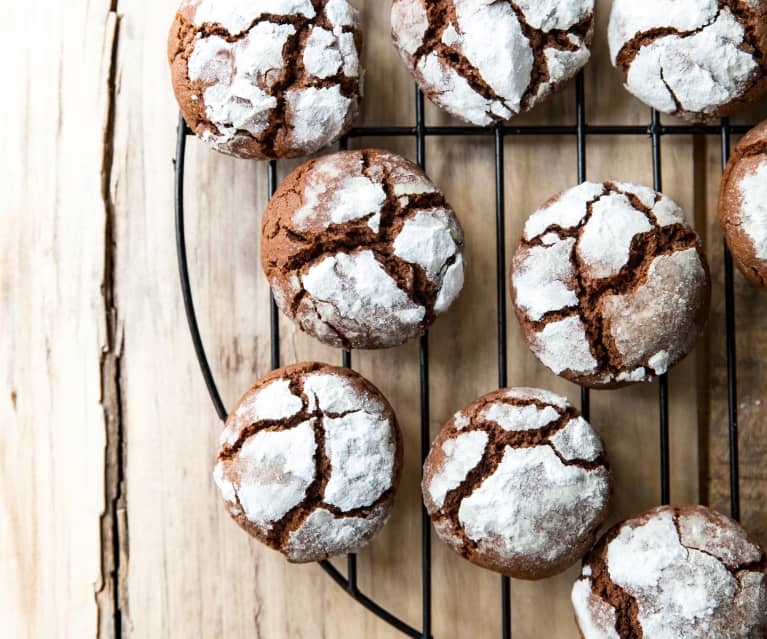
686,572
310,461
697,59
267,78
610,284
361,249
743,205
484,61
517,482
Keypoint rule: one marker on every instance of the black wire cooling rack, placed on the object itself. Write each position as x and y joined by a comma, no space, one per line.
654,131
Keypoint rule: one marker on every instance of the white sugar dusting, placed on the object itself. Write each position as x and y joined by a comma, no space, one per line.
237,15
452,284
668,212
753,208
567,211
361,448
356,196
596,617
477,19
461,453
548,15
533,505
323,535
717,536
272,402
577,441
703,70
659,362
518,418
341,14
656,316
527,394
428,239
331,393
318,115
272,472
354,292
680,591
545,279
235,75
563,346
505,62
322,57
409,24
455,94
605,242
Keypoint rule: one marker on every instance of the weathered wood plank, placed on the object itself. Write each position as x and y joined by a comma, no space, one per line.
54,337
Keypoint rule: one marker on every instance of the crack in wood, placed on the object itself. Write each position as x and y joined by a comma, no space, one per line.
111,593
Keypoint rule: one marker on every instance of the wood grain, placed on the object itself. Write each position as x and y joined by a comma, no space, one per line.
54,335
108,437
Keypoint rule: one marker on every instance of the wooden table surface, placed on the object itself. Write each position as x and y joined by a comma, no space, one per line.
107,439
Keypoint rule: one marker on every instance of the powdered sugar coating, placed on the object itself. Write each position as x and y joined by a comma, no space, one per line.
527,417
237,15
696,60
675,279
481,79
577,440
354,294
596,618
461,455
362,455
274,470
563,346
362,250
273,402
527,510
323,534
546,280
341,448
677,590
605,244
753,209
610,284
248,91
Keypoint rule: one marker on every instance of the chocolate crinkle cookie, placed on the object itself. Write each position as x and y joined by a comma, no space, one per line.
743,205
698,59
685,572
361,249
310,460
488,61
267,78
518,482
610,284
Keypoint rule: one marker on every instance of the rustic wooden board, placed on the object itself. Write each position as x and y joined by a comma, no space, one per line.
56,408
104,409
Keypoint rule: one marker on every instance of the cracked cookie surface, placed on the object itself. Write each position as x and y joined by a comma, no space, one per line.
697,59
485,61
743,205
610,284
361,250
267,78
686,572
518,482
310,460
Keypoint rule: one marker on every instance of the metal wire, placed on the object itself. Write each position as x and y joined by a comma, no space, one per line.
654,131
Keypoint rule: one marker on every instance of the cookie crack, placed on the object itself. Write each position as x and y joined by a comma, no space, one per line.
644,249
540,40
624,604
498,441
630,49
